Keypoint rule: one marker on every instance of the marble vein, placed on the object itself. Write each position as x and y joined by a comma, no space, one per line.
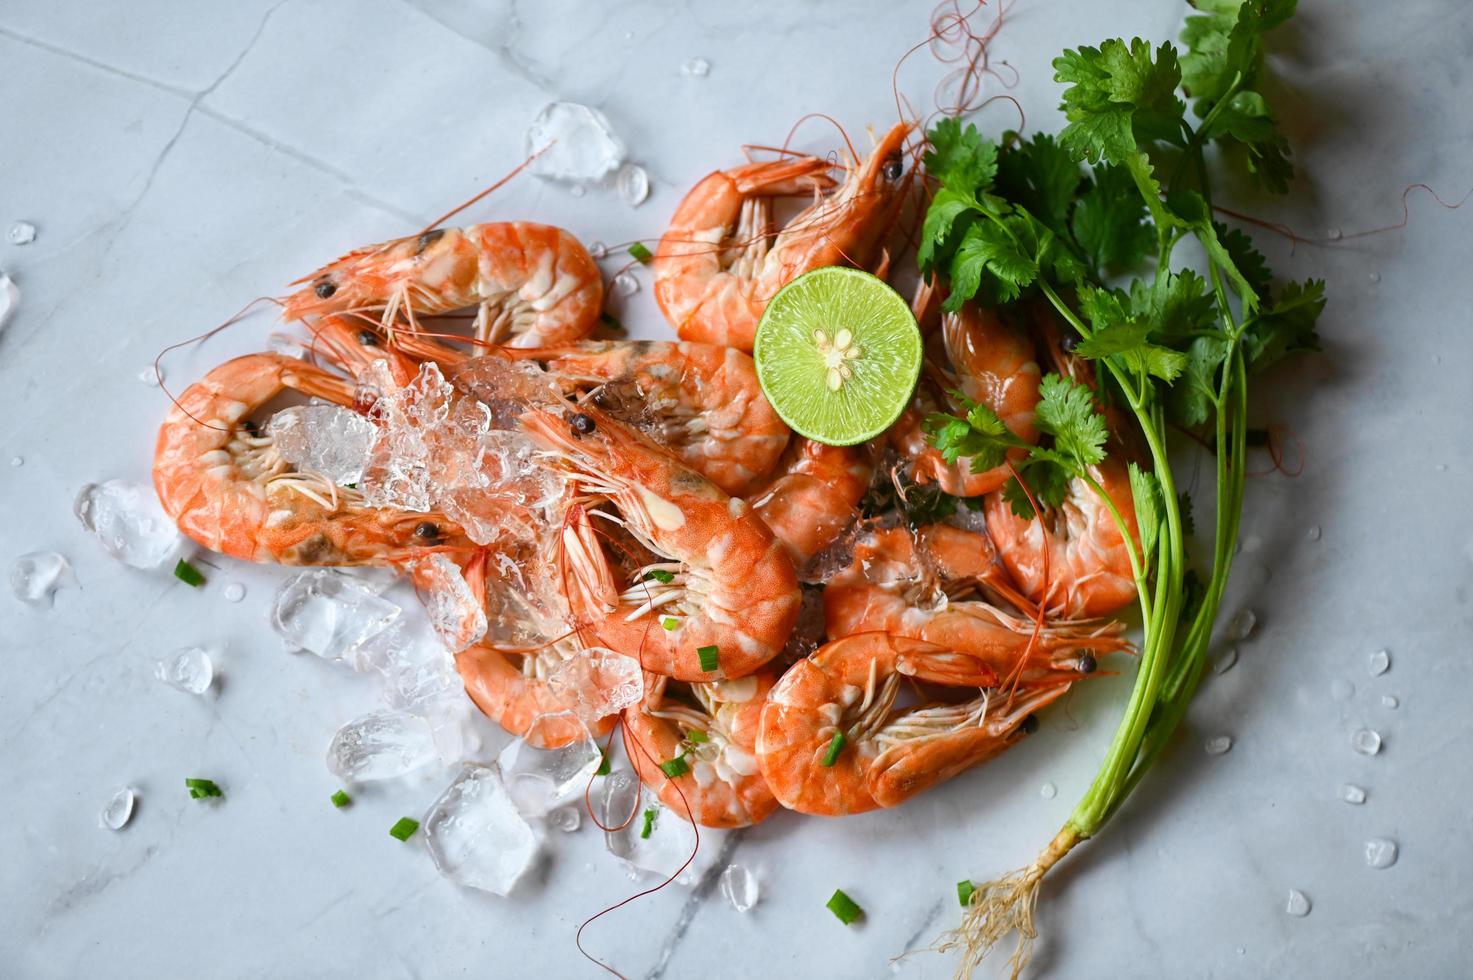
700,892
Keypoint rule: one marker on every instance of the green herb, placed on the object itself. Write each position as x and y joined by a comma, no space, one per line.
697,737
844,908
659,575
964,891
610,321
676,767
644,255
710,658
649,822
404,828
341,799
188,574
603,763
1067,222
200,789
670,623
836,746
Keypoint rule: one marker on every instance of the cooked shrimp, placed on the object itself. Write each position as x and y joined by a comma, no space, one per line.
518,697
719,262
845,694
531,284
898,585
731,584
228,488
713,727
993,363
702,401
813,496
1089,571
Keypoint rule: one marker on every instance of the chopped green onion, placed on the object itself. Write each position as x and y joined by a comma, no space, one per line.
188,574
404,828
670,622
641,253
341,799
603,764
844,907
695,736
676,767
964,891
352,486
610,321
710,658
659,575
199,789
649,822
835,747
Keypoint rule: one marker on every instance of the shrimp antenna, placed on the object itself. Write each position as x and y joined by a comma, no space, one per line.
494,187
158,371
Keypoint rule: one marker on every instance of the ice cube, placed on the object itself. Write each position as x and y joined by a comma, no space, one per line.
117,811
187,669
671,843
475,835
380,745
127,519
1366,741
416,667
598,682
525,604
328,613
567,819
234,592
456,611
21,233
740,887
1380,662
35,577
541,779
152,375
575,144
696,67
9,297
324,439
624,284
633,184
1380,852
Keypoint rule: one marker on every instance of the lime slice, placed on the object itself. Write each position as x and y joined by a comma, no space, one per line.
838,354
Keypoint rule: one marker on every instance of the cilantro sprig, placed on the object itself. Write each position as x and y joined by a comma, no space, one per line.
1088,222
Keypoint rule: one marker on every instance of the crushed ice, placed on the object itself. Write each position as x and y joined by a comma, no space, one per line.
577,144
381,745
328,440
188,669
127,519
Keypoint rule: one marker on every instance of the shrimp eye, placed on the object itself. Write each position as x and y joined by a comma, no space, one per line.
250,427
1087,664
1030,725
583,424
368,338
426,530
892,169
427,239
1068,343
325,289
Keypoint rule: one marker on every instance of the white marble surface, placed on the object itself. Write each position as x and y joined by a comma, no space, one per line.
180,159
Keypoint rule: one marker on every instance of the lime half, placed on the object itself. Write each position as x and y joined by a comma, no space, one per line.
838,354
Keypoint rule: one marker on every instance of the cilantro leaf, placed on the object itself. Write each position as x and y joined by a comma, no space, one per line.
1048,481
1042,177
1193,398
1287,326
1066,411
1145,490
1118,334
989,248
960,158
1245,256
945,208
1185,309
979,436
1109,221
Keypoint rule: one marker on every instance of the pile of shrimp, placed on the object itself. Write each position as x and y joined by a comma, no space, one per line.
805,640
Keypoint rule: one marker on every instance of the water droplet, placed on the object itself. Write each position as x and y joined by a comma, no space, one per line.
17,461
577,190
598,250
151,376
1442,467
1218,744
21,233
567,819
624,284
1298,903
696,68
1224,661
1341,689
1375,277
1389,701
1352,794
1380,852
1314,532
1380,662
1048,791
34,578
1252,543
234,592
740,887
118,811
1334,234
1243,624
1366,742
188,669
633,184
